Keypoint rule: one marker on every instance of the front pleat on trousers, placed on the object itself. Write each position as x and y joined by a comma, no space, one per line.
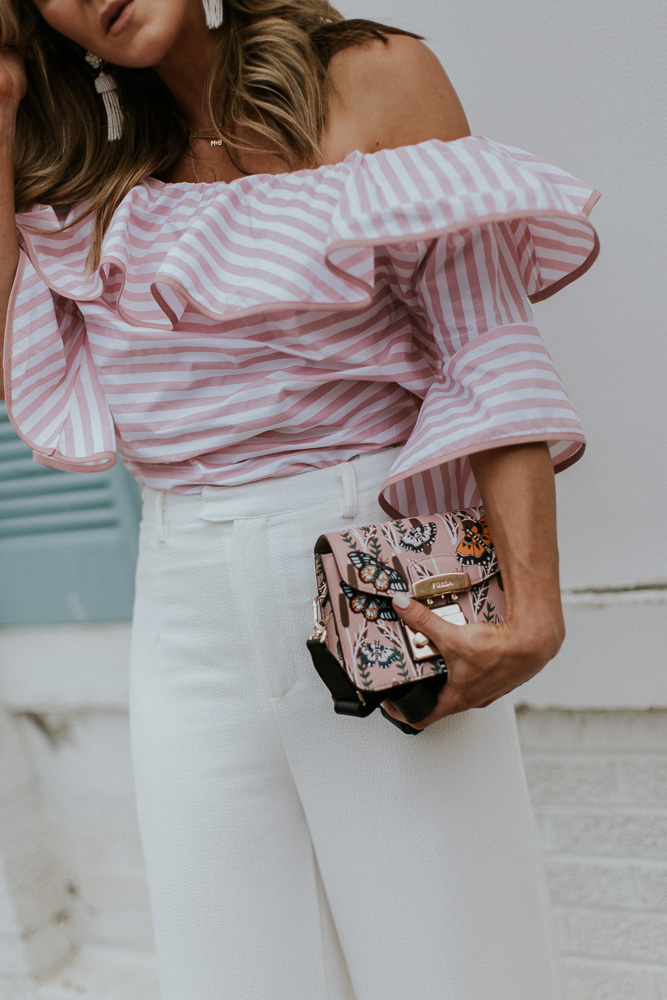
292,854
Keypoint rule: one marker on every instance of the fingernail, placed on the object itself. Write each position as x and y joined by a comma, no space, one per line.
401,601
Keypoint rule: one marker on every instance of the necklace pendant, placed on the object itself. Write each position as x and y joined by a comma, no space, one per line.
216,142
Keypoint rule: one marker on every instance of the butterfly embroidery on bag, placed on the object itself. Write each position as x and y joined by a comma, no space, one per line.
420,537
368,605
375,653
376,573
476,547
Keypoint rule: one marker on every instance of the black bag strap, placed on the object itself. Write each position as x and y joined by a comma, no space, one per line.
403,726
414,700
348,699
417,699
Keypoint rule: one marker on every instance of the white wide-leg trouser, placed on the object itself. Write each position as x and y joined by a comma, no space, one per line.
293,854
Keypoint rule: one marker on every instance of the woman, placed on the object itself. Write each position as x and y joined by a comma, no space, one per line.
251,260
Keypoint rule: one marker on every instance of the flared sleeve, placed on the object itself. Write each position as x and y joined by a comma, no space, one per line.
495,383
52,392
494,229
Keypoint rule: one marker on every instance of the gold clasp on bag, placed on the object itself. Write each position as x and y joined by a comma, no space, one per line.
436,586
320,632
439,594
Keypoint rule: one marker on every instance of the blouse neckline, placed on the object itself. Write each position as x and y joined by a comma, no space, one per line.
190,185
310,171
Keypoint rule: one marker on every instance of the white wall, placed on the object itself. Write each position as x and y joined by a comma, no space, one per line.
598,782
584,86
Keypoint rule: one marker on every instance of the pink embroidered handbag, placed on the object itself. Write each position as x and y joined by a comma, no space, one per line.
360,648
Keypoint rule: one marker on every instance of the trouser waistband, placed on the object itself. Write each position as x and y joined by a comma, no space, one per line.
345,481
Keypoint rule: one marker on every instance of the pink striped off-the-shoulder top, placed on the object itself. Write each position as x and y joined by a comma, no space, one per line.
281,322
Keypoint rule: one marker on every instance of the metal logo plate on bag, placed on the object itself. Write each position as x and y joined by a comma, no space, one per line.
435,586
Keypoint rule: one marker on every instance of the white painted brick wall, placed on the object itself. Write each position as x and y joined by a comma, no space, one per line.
598,782
88,796
74,912
71,870
35,926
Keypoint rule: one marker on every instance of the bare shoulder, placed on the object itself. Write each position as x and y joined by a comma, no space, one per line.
388,94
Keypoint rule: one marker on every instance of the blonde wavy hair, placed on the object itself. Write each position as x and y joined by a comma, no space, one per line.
271,64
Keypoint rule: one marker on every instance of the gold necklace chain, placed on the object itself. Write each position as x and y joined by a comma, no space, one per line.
215,141
213,136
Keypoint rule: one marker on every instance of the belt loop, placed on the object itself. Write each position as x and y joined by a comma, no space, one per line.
348,504
160,516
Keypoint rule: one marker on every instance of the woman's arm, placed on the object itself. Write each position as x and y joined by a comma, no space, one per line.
486,661
516,482
519,495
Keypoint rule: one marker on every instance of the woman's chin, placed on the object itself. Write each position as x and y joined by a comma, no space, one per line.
148,47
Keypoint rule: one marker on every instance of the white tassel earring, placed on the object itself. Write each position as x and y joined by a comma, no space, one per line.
213,11
106,86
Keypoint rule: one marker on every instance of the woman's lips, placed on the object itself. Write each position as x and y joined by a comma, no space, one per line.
123,19
109,13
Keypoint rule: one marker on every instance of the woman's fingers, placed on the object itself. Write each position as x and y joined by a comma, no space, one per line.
484,661
447,638
476,675
420,619
13,80
452,700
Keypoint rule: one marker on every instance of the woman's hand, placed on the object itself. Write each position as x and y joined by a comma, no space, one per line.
484,662
13,79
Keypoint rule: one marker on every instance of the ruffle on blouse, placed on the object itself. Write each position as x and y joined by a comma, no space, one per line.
53,396
307,240
466,231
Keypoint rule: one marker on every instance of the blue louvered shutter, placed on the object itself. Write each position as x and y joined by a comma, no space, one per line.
68,541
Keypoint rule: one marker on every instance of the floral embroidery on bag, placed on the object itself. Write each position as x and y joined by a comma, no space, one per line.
479,598
490,616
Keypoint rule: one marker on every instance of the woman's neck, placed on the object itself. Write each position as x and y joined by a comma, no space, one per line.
185,69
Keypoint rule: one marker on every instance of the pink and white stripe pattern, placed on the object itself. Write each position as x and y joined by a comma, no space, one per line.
241,331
